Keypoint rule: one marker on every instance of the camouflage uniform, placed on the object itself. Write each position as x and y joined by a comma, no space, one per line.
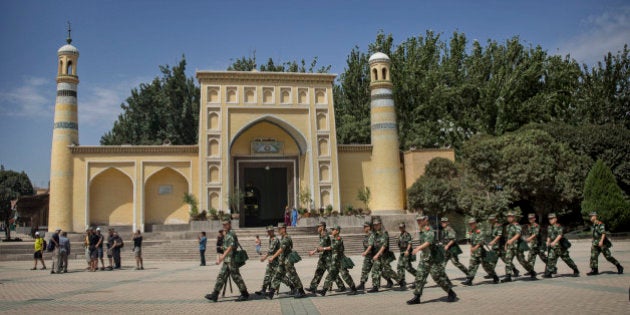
556,251
477,257
430,264
535,246
382,265
368,240
336,270
229,266
285,267
274,245
513,249
323,263
449,235
499,247
404,261
598,229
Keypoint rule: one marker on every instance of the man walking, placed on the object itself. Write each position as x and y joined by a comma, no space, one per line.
513,249
382,259
274,246
534,241
478,255
451,248
323,263
285,265
337,269
368,254
430,263
601,244
558,247
497,243
405,258
229,267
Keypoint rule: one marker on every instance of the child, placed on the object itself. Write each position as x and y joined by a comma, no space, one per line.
258,245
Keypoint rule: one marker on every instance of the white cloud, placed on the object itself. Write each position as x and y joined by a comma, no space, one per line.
607,32
34,98
100,105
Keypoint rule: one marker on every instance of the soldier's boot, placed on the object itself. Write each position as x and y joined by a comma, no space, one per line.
214,296
576,272
322,292
262,291
488,277
300,293
415,300
515,272
353,290
451,296
270,293
469,281
341,289
374,289
312,290
412,286
508,278
619,269
361,286
293,290
243,297
547,274
495,279
389,284
532,275
402,284
593,272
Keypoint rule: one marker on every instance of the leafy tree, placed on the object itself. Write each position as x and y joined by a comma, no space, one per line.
249,64
602,194
435,193
12,186
352,100
167,109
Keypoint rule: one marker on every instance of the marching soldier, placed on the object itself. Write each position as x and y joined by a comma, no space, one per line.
512,249
368,249
405,259
285,265
323,263
451,249
601,244
229,267
337,269
533,240
381,259
497,244
478,254
430,262
558,246
274,245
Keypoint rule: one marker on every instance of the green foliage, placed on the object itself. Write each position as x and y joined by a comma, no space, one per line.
191,200
249,64
305,198
365,195
235,199
435,193
603,195
12,186
165,110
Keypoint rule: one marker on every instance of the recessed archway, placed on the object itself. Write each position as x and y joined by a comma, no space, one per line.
163,198
105,210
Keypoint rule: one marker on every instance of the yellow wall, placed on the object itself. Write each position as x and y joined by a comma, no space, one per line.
165,208
354,170
416,160
111,199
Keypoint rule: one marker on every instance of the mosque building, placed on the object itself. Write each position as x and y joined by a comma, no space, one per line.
268,134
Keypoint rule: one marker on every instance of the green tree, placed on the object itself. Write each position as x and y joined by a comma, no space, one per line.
365,195
435,193
603,195
12,186
167,109
249,64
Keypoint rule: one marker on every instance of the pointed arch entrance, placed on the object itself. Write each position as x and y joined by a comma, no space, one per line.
106,210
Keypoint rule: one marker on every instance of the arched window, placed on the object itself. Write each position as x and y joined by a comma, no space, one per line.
69,68
375,72
60,67
384,73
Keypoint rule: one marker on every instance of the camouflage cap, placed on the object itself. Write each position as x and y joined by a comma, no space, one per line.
269,228
531,216
367,223
281,225
492,217
401,225
444,219
226,221
592,214
472,220
376,221
551,216
510,214
336,227
421,217
321,223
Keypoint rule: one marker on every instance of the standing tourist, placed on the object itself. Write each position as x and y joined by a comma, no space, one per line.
99,247
229,267
110,244
601,244
558,247
64,251
54,239
294,217
430,262
86,247
287,216
93,241
39,252
137,250
219,245
202,240
116,247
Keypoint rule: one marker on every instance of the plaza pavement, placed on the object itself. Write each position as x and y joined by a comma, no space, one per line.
167,287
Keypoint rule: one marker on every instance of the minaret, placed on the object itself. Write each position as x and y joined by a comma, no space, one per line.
65,134
387,183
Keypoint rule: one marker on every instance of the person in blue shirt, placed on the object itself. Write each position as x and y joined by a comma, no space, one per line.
202,247
294,217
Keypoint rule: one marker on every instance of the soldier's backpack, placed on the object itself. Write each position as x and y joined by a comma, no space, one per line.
347,263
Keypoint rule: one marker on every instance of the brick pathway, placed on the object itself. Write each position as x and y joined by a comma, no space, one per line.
167,287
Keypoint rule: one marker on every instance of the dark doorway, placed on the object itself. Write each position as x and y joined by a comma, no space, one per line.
266,195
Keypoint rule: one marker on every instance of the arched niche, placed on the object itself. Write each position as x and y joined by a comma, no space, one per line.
105,210
163,193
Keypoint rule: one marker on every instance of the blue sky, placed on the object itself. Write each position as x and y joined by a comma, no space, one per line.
122,43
